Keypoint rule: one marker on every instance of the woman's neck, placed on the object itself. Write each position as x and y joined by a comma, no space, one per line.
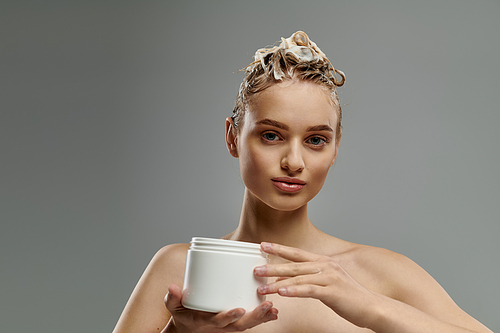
261,223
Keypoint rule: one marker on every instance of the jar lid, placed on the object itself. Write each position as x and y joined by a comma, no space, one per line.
224,245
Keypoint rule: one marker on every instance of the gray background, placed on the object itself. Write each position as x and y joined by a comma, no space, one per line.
112,141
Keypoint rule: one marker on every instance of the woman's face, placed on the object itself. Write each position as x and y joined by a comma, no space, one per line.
286,144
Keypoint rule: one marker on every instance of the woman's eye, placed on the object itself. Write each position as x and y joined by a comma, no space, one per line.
270,136
317,141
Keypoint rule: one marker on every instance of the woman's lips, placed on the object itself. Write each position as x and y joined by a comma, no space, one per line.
288,184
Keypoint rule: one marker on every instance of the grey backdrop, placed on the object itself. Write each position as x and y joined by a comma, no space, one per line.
112,141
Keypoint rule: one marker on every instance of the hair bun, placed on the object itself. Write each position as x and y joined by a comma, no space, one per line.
302,47
296,57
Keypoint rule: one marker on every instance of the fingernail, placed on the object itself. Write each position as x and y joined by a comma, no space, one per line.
235,313
260,270
262,289
266,246
272,316
282,291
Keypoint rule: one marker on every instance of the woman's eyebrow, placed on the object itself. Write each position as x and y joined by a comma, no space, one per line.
320,128
274,123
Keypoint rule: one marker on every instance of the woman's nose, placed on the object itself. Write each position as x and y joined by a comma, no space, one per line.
293,159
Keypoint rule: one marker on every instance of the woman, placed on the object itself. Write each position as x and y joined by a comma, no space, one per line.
285,131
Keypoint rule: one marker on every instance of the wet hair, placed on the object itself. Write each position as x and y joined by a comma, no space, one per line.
296,58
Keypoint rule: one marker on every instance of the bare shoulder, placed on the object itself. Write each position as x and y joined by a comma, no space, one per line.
379,269
145,310
170,260
166,267
385,263
395,274
398,277
379,265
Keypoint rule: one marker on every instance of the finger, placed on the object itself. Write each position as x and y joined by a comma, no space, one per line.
288,270
273,288
225,318
289,253
173,298
281,278
302,291
263,313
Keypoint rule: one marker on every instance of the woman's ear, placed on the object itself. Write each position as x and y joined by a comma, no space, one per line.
231,137
337,144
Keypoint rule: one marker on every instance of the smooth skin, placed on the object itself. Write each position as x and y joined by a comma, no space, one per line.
316,282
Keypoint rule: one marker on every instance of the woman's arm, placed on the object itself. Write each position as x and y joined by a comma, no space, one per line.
416,304
235,320
149,310
145,310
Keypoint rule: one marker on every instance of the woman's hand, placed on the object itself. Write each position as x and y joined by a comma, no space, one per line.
192,321
317,276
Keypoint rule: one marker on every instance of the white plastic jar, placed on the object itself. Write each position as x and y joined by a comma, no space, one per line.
219,275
